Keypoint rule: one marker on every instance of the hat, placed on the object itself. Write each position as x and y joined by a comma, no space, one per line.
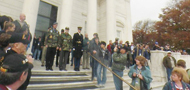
18,37
156,43
123,48
102,42
14,63
55,23
62,30
169,52
116,39
66,28
79,28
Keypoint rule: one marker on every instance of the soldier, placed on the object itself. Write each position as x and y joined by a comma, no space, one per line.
66,45
51,42
77,48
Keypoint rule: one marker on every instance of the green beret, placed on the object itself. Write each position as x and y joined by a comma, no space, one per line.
116,39
66,28
79,28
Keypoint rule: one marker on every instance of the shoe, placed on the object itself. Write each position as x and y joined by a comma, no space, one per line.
102,85
51,69
47,68
42,65
65,69
71,64
99,85
56,65
87,68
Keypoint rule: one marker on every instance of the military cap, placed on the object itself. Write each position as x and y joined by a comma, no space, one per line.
62,30
66,28
14,63
18,37
79,28
116,39
55,23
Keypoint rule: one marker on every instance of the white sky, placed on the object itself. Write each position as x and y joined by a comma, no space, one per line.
147,9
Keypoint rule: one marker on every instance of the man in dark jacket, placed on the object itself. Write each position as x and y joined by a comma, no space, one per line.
77,48
169,63
94,49
86,58
105,58
38,49
20,24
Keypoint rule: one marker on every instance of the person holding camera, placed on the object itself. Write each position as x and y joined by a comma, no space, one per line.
118,65
140,74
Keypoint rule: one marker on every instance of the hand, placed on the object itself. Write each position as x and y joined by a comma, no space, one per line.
59,49
115,49
46,45
134,74
30,59
140,76
87,42
69,50
94,52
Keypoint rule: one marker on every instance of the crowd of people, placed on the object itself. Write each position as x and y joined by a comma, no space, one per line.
16,65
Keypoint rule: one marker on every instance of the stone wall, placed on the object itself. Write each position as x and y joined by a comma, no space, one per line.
157,68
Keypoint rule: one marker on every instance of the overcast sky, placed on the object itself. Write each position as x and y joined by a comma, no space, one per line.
146,9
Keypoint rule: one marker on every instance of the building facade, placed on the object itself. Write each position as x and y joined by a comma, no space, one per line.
108,18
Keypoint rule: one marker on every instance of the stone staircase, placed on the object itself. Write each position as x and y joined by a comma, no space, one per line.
72,80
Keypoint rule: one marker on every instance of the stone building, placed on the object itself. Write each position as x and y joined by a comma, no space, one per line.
108,18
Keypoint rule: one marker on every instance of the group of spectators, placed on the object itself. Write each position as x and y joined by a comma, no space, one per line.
15,64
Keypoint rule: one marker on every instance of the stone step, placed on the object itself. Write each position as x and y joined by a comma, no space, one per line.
61,86
58,73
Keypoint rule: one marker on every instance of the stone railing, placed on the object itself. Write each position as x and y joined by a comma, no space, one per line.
157,68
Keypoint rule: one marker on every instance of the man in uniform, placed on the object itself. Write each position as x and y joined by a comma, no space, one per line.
65,47
51,43
44,50
77,48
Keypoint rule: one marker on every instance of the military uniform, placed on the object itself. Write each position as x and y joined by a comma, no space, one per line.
66,46
77,49
51,41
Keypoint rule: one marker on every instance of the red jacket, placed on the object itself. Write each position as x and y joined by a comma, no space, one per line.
109,48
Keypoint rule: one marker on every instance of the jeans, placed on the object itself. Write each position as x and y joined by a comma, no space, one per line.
169,72
43,59
37,53
99,73
85,60
63,59
94,68
77,63
118,83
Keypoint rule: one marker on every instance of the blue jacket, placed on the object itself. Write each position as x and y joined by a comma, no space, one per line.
145,83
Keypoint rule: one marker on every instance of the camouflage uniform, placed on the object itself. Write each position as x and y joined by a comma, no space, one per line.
51,41
66,45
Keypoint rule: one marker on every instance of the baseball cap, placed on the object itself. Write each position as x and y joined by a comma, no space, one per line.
18,37
15,63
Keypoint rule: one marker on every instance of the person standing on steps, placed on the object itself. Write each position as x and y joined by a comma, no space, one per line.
65,47
51,42
77,48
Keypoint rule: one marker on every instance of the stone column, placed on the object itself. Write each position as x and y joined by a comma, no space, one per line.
158,70
111,21
128,25
92,18
65,13
30,9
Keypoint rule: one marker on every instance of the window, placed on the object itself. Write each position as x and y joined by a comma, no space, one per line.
47,15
